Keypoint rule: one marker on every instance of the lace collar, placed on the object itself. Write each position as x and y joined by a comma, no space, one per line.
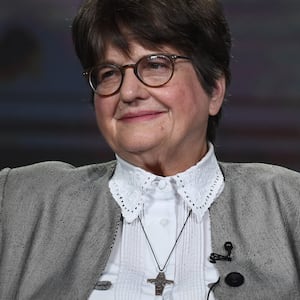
198,186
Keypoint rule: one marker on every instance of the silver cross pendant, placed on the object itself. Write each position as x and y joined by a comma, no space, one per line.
160,281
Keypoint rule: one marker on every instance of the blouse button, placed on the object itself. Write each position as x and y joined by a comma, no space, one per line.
164,222
162,184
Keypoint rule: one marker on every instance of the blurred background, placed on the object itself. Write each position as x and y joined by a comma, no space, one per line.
45,112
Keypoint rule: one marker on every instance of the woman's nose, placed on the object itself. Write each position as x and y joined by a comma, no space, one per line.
132,88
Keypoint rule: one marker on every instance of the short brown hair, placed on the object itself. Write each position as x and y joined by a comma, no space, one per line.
196,28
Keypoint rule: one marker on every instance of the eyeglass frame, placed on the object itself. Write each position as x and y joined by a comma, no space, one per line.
172,58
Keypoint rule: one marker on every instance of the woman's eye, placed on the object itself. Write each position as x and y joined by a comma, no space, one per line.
106,75
157,65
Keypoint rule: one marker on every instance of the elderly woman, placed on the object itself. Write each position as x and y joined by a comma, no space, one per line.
166,220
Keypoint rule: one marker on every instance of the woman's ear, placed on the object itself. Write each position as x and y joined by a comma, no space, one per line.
217,96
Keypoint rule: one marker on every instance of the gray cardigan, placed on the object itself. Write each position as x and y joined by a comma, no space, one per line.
58,225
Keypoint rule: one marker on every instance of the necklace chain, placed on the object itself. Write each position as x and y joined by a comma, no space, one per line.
169,256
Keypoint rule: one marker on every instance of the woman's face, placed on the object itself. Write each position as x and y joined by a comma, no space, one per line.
162,129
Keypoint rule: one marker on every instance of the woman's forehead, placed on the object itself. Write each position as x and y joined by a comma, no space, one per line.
135,50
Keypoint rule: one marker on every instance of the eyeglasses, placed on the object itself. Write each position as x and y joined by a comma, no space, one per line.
153,70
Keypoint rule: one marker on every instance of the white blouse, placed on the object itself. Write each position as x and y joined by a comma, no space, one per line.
163,204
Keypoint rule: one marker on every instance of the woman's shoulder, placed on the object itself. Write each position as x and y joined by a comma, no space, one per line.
262,181
56,168
258,172
48,185
51,173
253,187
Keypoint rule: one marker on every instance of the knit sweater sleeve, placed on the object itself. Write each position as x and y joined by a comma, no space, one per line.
3,178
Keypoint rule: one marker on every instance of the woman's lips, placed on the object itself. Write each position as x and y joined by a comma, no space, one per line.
140,116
